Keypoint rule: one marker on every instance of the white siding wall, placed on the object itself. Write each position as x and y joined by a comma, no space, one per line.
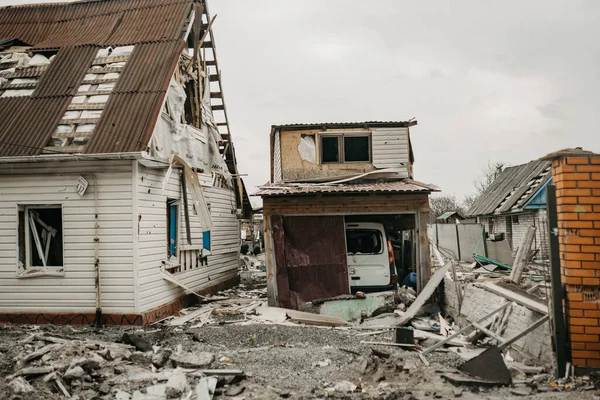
152,236
54,183
390,148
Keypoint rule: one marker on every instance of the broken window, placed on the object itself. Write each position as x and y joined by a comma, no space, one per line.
345,148
363,241
21,69
172,214
515,219
40,236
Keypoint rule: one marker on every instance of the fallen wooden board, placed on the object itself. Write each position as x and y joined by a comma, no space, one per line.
191,316
459,379
428,335
516,297
425,294
388,344
314,319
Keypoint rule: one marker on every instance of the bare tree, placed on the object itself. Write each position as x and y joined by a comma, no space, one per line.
489,175
440,204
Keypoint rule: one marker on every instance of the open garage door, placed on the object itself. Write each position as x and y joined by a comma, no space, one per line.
311,258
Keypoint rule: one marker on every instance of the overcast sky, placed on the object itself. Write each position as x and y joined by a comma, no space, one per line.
487,80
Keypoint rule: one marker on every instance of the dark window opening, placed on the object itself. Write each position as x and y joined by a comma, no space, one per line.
172,213
330,151
40,241
515,219
363,241
356,148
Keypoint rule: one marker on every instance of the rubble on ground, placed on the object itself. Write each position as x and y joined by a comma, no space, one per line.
232,345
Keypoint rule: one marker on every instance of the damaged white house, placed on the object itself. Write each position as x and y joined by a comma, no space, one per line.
119,190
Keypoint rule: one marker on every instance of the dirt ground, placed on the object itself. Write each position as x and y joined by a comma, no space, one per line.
276,361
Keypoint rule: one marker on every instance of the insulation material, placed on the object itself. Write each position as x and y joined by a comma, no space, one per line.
84,88
80,141
38,60
111,75
199,148
104,52
308,148
17,93
98,99
193,184
63,128
91,114
21,59
91,77
85,128
71,115
20,81
78,100
108,87
122,51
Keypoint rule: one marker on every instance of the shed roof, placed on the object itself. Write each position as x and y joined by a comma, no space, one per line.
448,214
407,186
512,188
78,30
344,125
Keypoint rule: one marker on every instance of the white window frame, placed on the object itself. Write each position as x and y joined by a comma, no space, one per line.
27,270
340,136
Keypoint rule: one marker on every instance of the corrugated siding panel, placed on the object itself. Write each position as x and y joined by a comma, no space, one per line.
277,157
390,148
152,237
53,183
91,30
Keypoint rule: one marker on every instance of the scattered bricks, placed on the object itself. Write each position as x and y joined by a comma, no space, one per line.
566,200
590,264
575,192
591,281
577,177
588,168
585,338
575,224
587,322
580,257
578,161
585,354
578,362
578,346
584,273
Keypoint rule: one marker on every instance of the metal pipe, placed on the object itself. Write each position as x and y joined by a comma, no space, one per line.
98,319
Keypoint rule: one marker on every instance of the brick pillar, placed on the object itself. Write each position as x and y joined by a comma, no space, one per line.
576,175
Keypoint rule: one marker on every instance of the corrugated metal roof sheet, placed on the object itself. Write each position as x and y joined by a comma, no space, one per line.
342,125
65,73
28,123
402,186
155,27
511,189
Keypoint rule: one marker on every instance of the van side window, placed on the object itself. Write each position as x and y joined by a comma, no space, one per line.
364,241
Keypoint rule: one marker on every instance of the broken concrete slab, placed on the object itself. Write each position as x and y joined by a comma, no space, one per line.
192,360
160,358
20,386
177,384
489,366
355,308
137,341
74,373
464,380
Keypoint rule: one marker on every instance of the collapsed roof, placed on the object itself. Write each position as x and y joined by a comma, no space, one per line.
118,95
510,191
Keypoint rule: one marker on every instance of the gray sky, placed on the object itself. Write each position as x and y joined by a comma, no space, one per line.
500,81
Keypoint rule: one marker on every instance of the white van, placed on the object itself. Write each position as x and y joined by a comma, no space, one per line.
370,257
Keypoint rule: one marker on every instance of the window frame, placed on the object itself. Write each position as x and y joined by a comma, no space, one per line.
26,270
173,203
341,153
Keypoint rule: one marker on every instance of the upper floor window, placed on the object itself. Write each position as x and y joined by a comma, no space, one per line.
345,147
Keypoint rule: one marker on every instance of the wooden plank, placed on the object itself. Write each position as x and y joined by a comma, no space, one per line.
420,334
516,297
105,70
86,106
424,259
425,294
270,263
530,328
388,344
68,135
522,255
109,60
491,334
78,121
206,310
314,319
94,93
99,81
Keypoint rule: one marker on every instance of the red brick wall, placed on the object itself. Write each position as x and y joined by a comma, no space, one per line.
577,181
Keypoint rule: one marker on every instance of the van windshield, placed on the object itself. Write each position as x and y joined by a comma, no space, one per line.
363,241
